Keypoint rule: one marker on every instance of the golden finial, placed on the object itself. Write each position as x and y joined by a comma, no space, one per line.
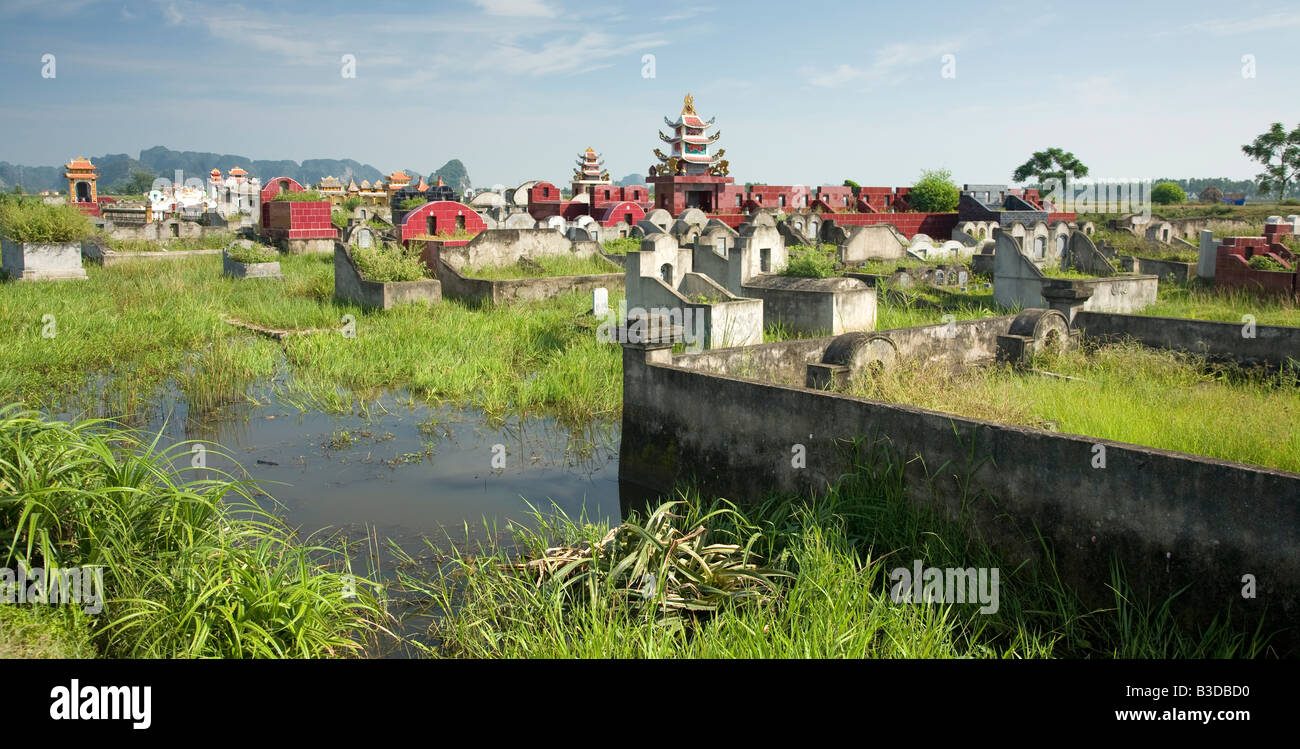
688,105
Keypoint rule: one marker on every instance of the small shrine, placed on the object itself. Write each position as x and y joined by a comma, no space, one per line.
690,176
81,176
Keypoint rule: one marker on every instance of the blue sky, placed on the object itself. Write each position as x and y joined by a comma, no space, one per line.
516,88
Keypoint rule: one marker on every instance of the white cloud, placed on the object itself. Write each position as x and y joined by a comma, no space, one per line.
1246,24
526,8
172,14
887,66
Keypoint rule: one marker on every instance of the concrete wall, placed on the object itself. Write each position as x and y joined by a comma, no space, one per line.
880,242
1271,344
1172,519
41,261
1017,281
482,291
826,306
349,286
508,246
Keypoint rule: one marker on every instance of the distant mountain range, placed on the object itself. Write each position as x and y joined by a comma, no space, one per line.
117,168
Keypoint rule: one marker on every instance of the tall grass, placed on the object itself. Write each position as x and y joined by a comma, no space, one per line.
815,584
622,245
1201,302
1124,392
34,221
543,267
193,567
116,344
810,262
384,263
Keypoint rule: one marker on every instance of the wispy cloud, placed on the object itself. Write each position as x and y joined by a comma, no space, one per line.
524,8
1246,24
886,68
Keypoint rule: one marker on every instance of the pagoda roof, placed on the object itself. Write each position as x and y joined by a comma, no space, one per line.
81,162
398,177
237,172
330,182
365,184
422,186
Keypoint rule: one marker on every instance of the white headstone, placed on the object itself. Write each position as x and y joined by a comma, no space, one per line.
600,302
363,239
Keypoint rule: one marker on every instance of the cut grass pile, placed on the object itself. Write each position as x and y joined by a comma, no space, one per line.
789,578
132,329
1123,392
192,567
543,267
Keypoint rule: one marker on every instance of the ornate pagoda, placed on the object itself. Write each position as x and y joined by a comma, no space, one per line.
690,142
590,171
691,177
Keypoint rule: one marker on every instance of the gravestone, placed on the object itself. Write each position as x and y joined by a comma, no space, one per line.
962,278
600,302
363,238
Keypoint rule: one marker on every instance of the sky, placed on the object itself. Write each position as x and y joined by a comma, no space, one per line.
803,93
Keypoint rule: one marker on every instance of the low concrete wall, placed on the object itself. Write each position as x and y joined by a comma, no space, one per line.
1272,344
314,246
507,246
1180,271
826,306
97,252
349,286
236,269
483,291
38,261
1171,519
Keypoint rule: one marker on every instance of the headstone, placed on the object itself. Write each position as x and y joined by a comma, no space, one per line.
600,302
1206,253
363,238
962,278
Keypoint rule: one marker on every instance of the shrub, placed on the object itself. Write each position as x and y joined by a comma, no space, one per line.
31,221
934,192
339,219
410,204
306,196
1168,193
352,203
1264,262
254,254
387,263
809,262
622,245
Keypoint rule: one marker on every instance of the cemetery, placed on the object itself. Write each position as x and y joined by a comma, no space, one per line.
1072,393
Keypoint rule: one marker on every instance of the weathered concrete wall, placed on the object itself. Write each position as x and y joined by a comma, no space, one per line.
1017,282
878,242
1171,519
508,246
1179,271
826,306
1271,344
41,261
349,286
482,291
236,269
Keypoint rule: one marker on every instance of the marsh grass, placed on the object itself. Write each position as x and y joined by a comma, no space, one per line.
1124,392
193,566
543,267
132,329
816,585
810,262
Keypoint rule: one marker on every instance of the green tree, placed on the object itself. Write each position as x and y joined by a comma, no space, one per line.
1276,144
934,192
1168,193
1050,164
139,183
851,183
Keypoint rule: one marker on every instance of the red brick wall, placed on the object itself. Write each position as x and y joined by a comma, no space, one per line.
297,219
615,213
444,213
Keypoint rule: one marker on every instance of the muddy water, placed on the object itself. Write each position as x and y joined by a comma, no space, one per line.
401,471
